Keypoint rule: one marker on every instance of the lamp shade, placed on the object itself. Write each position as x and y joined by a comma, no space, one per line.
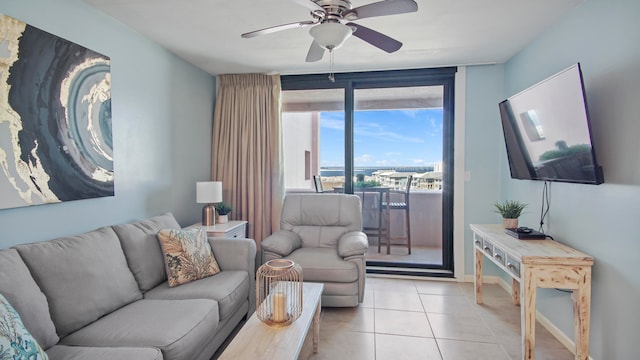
330,35
208,192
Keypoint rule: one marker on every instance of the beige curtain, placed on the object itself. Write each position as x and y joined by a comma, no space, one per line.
246,148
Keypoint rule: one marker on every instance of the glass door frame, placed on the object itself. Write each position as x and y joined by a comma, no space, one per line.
445,77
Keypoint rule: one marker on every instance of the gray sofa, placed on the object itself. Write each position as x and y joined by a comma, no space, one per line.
323,234
104,294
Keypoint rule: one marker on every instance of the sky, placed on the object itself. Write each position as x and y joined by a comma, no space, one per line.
384,138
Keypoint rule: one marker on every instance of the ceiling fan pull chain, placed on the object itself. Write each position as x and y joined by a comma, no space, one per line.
331,77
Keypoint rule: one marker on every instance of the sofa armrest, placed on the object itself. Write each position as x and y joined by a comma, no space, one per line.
282,242
237,254
353,243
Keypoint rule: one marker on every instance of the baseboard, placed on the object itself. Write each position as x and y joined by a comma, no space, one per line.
408,277
543,320
485,279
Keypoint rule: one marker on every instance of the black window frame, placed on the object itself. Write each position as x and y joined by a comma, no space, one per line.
444,76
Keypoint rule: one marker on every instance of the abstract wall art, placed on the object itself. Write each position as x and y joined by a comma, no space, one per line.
55,118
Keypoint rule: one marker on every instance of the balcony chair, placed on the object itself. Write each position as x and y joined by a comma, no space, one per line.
323,234
375,212
317,182
404,206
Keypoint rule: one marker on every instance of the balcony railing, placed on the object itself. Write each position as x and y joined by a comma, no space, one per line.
425,216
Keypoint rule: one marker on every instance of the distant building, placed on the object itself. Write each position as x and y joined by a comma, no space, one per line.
430,180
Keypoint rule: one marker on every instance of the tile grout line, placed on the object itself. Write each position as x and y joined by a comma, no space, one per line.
429,322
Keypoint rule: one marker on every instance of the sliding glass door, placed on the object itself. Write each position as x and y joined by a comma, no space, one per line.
391,131
398,137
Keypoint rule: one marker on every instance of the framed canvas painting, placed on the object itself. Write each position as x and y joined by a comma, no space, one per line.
55,118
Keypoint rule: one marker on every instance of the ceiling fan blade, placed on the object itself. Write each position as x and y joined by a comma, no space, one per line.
309,5
382,8
273,29
316,52
375,38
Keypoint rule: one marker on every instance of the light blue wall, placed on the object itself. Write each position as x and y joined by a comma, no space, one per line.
483,143
162,123
602,221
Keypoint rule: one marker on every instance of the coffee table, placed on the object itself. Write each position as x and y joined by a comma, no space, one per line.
257,340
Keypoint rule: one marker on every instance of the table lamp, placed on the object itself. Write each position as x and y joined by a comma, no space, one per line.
208,192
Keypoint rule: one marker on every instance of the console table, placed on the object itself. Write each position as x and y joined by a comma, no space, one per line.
231,229
532,264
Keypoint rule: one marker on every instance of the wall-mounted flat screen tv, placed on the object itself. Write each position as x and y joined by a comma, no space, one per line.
547,131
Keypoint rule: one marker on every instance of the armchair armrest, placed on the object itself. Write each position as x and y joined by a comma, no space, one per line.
282,242
353,243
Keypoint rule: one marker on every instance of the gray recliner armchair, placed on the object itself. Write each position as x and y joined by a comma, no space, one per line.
323,234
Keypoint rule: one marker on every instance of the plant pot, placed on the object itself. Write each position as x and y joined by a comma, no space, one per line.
223,219
509,223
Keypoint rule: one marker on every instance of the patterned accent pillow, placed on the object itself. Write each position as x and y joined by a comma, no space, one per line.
187,255
15,341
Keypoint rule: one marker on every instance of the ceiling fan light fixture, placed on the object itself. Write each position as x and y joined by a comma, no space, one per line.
330,35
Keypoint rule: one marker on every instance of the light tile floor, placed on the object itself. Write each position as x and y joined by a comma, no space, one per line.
420,319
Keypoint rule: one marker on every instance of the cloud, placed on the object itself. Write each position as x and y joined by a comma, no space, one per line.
364,159
330,163
436,125
336,124
412,113
378,131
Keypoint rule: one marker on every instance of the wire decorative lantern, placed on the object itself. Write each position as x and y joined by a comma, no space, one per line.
279,292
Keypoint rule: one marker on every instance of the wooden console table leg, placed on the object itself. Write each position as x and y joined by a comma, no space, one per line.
515,291
478,278
528,314
581,314
316,328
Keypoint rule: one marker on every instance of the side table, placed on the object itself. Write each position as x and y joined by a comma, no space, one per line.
231,229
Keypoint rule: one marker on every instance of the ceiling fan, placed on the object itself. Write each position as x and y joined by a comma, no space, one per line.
329,32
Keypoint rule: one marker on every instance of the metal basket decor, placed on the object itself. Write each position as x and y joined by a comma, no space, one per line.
279,292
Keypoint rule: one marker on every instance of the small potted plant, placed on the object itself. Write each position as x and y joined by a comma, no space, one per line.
223,210
510,211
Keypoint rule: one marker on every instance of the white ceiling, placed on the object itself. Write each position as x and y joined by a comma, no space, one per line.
206,33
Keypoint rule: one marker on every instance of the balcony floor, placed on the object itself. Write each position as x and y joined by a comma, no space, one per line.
419,255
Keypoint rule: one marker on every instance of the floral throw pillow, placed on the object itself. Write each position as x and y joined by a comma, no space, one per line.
15,341
187,255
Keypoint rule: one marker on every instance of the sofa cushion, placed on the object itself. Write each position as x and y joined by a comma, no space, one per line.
229,288
180,328
19,287
83,277
187,255
15,340
63,352
324,264
141,247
